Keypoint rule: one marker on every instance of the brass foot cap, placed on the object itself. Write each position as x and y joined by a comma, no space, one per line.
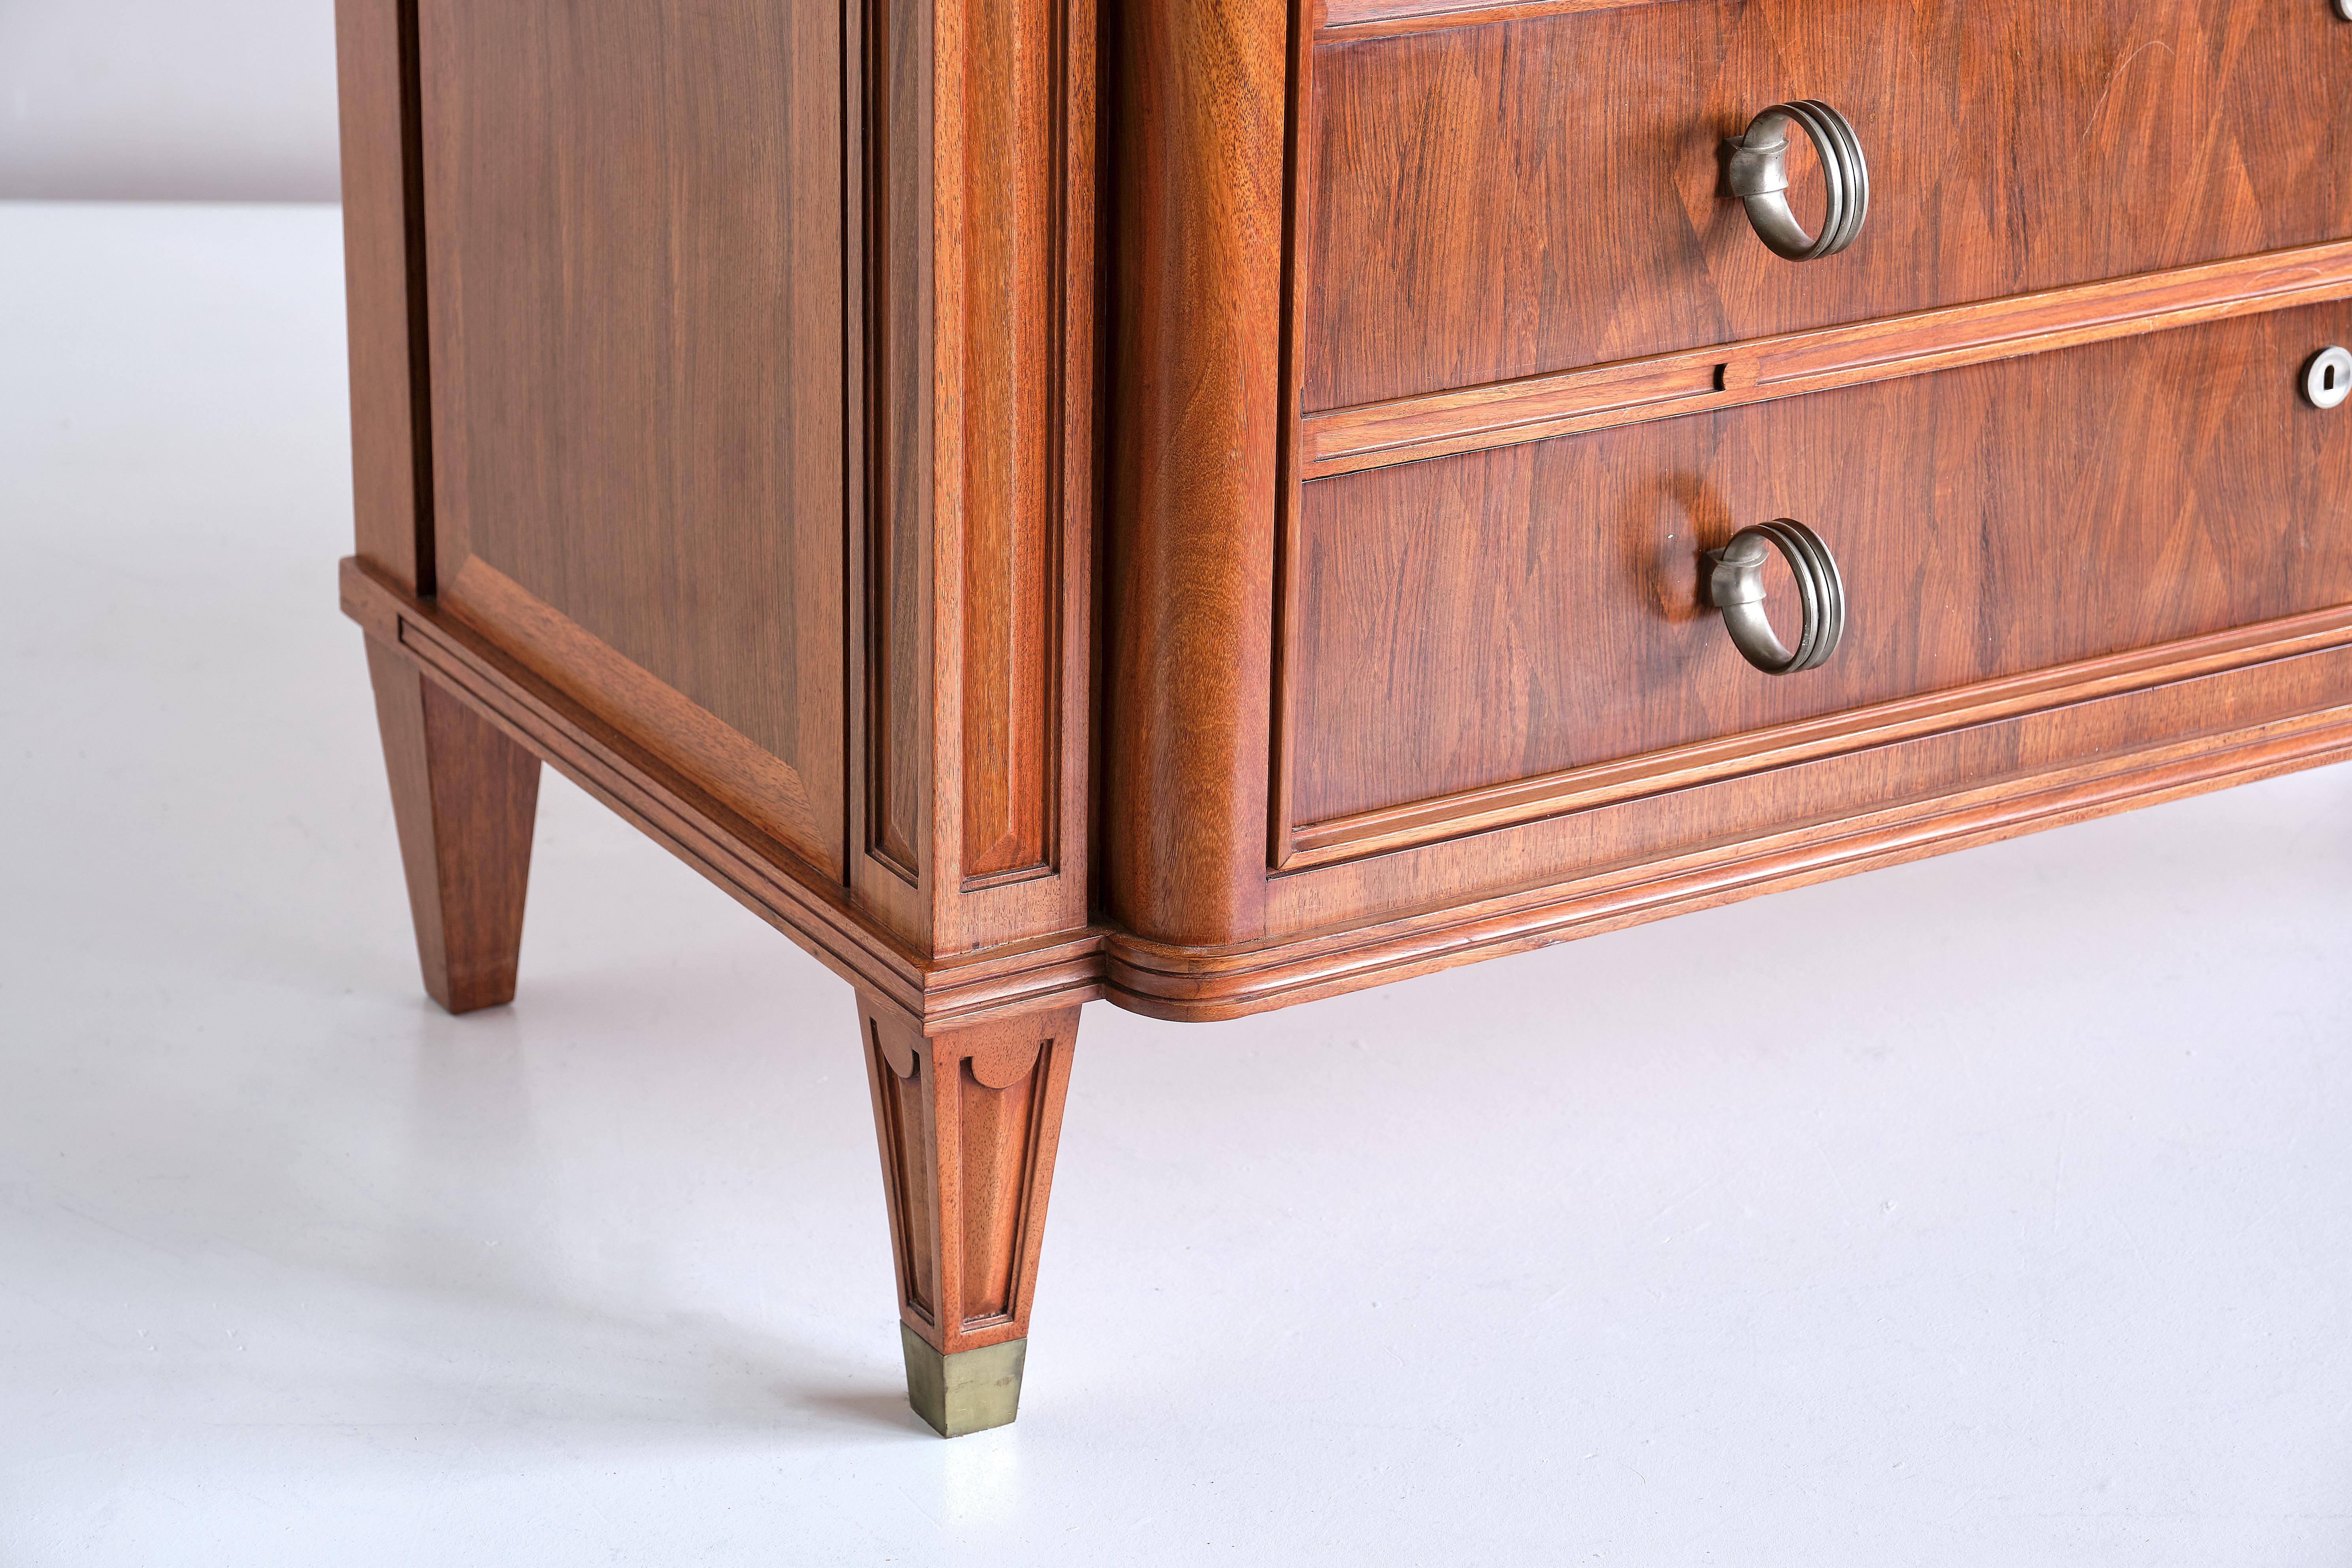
970,1391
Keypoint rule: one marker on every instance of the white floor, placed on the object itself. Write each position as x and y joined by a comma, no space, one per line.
1992,1210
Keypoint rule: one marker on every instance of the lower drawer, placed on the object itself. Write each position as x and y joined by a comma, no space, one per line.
1493,636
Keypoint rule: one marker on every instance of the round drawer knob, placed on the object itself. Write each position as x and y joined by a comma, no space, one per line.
1734,584
1759,176
2327,378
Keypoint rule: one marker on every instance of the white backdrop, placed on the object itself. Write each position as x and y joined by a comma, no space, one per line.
171,99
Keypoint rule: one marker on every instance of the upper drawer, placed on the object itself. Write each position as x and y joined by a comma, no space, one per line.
1504,199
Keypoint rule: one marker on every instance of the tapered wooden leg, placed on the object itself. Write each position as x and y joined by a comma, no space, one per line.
968,1124
463,797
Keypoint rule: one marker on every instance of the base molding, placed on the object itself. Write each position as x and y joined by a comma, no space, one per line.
940,996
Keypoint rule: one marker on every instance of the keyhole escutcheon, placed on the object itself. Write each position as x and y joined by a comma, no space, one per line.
2327,379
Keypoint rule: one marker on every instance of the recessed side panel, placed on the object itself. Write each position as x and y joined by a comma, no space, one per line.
636,271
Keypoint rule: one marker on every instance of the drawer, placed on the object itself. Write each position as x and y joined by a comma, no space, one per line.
1513,633
1490,201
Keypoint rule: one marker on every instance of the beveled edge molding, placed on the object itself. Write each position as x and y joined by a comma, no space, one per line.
1345,21
886,202
642,787
1015,229
1697,381
1854,728
755,784
1195,986
1199,984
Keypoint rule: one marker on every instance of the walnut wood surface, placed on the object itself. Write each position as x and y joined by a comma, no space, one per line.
463,797
1576,789
1408,429
1492,202
384,287
892,111
1379,18
1297,590
634,259
1195,297
1012,473
1016,296
968,1122
1572,567
899,202
1344,927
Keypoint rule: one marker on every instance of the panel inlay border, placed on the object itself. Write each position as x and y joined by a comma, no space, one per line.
1347,20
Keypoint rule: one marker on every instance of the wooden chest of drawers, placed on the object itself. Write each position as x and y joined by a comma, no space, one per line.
1212,503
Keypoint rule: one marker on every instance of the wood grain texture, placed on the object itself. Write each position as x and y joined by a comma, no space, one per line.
1015,314
465,798
648,787
1383,18
897,590
981,481
1195,392
1535,196
1677,768
1344,927
636,254
749,781
968,1124
1015,482
879,221
1467,900
1729,376
1572,567
384,287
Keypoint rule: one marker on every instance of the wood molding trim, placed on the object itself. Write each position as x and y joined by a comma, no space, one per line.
1189,986
978,197
758,786
1007,222
383,284
1533,408
1525,800
1188,983
1347,20
892,562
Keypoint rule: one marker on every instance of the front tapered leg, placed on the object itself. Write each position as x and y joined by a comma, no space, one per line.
968,1122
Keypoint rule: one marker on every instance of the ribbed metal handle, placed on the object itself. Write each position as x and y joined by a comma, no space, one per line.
1735,586
1759,176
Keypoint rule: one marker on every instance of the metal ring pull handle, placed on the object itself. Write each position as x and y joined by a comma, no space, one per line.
1735,586
1759,176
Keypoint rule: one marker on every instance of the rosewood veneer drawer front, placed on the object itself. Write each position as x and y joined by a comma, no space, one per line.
1516,632
1516,197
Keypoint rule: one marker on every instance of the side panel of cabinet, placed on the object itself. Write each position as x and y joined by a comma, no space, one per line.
635,264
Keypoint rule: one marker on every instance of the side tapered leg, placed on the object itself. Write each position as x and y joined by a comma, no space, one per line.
968,1122
463,797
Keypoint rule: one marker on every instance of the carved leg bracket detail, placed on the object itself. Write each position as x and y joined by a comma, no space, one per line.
968,1124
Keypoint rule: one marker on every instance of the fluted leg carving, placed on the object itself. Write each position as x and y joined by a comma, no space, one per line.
968,1124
